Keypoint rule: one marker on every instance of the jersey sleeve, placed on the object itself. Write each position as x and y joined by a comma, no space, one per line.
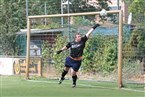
84,38
68,45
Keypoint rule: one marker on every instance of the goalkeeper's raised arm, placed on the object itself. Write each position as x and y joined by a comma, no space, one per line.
92,29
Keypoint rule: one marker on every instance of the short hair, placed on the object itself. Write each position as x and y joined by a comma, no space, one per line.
76,34
81,34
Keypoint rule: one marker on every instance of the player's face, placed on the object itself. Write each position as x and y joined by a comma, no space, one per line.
78,38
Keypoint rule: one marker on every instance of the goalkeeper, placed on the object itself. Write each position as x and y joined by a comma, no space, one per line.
76,51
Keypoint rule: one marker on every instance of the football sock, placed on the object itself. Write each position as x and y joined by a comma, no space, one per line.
74,78
63,74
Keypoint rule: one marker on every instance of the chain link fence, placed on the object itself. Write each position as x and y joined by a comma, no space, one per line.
100,54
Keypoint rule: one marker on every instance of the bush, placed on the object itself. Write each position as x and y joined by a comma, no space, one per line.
100,54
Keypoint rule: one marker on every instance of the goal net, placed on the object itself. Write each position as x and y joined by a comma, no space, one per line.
104,59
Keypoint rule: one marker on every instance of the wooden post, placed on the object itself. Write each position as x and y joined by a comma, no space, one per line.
120,49
144,80
71,14
39,67
28,48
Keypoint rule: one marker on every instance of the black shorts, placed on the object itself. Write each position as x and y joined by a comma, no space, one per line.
75,64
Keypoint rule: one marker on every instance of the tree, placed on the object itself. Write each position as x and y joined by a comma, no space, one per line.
80,6
91,62
100,54
137,9
109,62
136,44
11,21
37,7
49,52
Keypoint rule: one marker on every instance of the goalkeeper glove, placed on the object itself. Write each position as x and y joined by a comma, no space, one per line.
58,52
95,26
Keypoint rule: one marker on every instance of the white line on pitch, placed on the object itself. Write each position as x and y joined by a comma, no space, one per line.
127,89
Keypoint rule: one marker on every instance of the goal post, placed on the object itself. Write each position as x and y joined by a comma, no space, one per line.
120,30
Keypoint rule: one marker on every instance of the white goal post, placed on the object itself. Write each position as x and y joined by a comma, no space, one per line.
120,84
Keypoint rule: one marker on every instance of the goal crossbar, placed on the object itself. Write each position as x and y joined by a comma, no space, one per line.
120,30
71,14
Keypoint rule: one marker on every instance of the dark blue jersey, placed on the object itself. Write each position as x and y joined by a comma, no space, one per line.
76,48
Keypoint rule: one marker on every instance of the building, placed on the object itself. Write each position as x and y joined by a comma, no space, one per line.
37,37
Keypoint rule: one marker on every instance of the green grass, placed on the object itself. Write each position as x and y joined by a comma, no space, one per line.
15,86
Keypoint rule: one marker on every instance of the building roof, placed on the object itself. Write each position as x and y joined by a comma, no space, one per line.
38,31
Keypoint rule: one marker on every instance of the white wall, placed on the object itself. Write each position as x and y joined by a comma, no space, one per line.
6,66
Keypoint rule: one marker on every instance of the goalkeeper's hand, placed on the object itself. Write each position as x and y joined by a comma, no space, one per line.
58,52
95,26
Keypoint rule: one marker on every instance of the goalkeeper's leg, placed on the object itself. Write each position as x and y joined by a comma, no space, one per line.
75,69
64,72
74,78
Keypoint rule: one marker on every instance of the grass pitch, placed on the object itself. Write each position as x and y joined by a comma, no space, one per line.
15,86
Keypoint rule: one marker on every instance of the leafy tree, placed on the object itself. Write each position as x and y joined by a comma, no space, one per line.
136,45
93,49
100,54
137,9
81,21
37,7
11,22
49,53
80,6
110,55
